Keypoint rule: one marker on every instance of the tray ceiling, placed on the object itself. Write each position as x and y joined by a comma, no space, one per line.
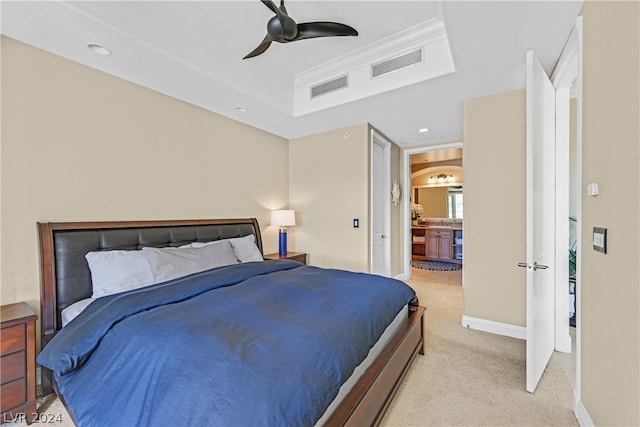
193,51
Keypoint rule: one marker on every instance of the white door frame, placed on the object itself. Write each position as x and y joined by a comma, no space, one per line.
385,193
568,70
562,78
406,204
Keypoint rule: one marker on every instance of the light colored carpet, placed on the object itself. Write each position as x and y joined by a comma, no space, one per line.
465,378
51,412
472,378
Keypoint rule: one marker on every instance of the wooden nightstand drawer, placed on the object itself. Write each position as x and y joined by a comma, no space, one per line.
12,367
12,339
18,362
13,394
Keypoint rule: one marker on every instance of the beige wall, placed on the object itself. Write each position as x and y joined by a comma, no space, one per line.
494,221
329,186
397,222
78,144
434,201
610,288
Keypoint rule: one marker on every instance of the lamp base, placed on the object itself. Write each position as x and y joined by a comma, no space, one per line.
283,241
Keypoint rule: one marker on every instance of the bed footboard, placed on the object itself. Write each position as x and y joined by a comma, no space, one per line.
366,404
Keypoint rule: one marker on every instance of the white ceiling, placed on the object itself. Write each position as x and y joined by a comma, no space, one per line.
192,51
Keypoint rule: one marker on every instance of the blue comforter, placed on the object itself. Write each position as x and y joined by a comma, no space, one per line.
266,343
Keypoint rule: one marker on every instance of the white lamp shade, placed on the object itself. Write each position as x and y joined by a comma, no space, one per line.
283,217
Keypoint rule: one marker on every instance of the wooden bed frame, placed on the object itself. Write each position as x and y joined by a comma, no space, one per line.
364,405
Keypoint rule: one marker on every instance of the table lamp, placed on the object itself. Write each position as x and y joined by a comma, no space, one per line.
283,218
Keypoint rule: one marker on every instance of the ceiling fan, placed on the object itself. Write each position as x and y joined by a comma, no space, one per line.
283,29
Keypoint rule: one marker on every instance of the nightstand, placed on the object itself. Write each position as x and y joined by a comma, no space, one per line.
18,362
296,256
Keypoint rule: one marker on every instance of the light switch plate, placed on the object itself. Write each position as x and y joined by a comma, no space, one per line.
600,239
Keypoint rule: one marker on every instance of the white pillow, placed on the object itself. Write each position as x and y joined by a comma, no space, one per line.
118,271
171,263
245,248
71,312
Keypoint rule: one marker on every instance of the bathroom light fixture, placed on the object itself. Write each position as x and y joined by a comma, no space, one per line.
98,49
423,130
441,179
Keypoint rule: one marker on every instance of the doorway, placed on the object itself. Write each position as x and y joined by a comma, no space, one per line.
567,80
435,169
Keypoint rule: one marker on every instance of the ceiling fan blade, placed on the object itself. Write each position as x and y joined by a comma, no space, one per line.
271,5
310,30
264,45
282,8
282,28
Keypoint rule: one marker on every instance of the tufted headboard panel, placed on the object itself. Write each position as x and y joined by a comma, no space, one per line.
65,276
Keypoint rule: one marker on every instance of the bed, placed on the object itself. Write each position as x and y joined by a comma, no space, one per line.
86,376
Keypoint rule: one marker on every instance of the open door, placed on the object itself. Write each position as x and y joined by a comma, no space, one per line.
540,221
380,256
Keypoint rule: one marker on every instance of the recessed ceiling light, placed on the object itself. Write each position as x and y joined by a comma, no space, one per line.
423,130
242,109
98,49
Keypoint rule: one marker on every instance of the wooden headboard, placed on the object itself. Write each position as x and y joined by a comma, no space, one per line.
65,277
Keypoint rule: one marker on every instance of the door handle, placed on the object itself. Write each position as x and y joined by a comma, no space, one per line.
537,266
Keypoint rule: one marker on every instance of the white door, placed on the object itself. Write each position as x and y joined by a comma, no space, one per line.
380,207
540,220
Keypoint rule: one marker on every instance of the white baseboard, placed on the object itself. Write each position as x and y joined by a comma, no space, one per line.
581,413
497,328
402,277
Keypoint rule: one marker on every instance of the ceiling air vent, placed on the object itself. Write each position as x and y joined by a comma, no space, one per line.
330,86
396,63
